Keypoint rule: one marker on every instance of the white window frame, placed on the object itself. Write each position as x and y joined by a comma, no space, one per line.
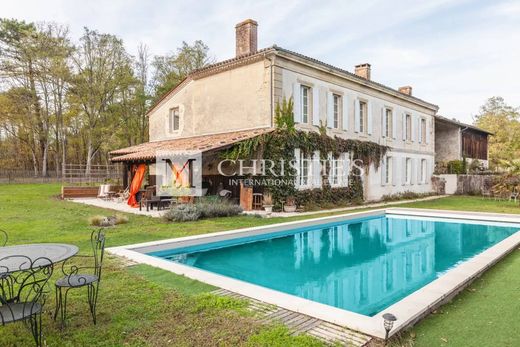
334,173
408,128
363,113
305,97
389,123
305,171
336,110
388,170
422,130
173,113
408,171
423,170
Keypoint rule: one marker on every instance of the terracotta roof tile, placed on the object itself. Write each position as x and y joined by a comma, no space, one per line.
149,150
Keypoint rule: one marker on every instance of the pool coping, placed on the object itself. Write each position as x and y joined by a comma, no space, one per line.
408,310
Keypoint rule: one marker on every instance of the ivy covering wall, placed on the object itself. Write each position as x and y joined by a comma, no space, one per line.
279,147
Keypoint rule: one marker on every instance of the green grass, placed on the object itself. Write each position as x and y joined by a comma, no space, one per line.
143,306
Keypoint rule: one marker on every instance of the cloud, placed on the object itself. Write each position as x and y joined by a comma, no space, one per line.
454,53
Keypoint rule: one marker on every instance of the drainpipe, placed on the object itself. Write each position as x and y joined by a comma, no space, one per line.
271,60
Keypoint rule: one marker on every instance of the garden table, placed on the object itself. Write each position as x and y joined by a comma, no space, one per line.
55,252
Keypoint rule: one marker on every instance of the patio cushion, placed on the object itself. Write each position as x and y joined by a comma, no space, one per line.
15,312
76,280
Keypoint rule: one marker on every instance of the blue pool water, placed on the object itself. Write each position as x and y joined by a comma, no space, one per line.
361,265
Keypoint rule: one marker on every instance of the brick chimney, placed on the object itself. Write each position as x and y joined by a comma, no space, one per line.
246,37
363,70
406,90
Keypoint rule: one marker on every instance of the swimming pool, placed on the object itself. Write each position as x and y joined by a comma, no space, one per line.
348,269
362,265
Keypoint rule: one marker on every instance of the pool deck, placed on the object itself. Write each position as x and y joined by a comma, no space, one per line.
408,311
123,207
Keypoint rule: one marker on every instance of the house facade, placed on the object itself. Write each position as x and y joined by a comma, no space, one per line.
240,95
458,141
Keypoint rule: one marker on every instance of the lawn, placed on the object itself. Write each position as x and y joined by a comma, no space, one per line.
143,306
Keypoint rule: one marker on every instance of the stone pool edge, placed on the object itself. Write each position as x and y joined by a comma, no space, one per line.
408,310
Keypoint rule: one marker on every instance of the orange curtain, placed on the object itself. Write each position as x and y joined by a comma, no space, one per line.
136,184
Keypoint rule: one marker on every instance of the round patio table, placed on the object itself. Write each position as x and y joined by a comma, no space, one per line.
22,255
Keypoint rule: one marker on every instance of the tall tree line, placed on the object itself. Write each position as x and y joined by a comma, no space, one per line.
73,102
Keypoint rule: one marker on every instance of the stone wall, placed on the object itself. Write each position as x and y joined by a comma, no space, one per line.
474,184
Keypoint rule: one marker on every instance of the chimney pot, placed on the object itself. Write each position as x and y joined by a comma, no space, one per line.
406,90
363,70
246,37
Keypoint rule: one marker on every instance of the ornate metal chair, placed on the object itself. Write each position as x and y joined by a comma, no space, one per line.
23,292
3,238
76,278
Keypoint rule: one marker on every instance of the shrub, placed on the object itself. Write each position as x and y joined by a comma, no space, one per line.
182,213
408,195
201,210
107,221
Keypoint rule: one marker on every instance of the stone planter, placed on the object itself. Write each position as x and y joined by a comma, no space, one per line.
268,208
289,208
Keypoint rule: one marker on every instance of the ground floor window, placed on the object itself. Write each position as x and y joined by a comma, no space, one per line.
408,171
334,170
388,171
305,169
423,171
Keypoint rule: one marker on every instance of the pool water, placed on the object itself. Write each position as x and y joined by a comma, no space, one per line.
360,265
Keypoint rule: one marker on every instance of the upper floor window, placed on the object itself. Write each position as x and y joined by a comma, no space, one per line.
363,116
389,122
408,127
422,133
305,94
337,110
173,119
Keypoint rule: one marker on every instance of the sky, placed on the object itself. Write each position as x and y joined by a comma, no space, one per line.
454,54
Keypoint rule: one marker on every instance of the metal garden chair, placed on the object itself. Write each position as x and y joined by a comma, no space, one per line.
23,292
76,278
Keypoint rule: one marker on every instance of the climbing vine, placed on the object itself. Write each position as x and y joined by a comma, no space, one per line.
278,146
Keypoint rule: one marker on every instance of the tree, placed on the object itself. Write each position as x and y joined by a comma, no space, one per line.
102,72
171,69
504,122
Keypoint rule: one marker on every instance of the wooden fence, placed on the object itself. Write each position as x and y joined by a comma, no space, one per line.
74,174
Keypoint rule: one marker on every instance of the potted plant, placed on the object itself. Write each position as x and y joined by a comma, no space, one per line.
268,202
290,204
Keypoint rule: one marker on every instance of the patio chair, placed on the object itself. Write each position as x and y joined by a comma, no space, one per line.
103,191
24,293
514,195
75,277
3,238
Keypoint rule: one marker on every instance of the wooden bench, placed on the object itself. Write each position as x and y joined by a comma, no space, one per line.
79,192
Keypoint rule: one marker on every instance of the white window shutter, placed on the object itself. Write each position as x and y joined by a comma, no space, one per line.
330,110
404,126
383,122
414,132
417,128
297,161
344,114
316,170
427,139
419,132
369,118
395,164
382,167
297,105
394,124
316,106
356,116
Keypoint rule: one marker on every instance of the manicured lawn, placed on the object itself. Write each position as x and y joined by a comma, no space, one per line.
143,306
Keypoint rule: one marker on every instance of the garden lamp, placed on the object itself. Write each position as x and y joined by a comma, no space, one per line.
388,323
